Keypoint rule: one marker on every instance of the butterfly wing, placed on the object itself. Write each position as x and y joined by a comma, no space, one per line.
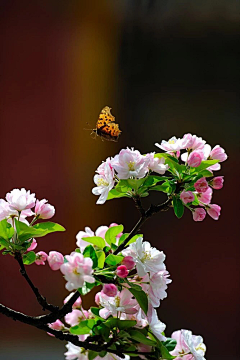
105,117
109,132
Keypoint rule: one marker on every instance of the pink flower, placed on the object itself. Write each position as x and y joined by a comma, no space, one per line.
205,197
122,271
75,317
218,153
192,142
44,210
217,182
130,163
75,352
20,199
156,326
213,210
77,270
81,243
97,298
189,346
201,185
199,214
172,144
155,286
55,260
41,257
195,158
57,325
77,303
33,245
104,184
110,290
101,170
157,164
187,197
122,302
129,262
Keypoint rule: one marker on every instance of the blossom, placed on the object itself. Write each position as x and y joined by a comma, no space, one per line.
201,185
77,303
33,245
75,317
122,271
155,325
129,262
77,270
195,158
81,243
172,144
187,345
97,298
156,289
146,257
187,197
217,182
41,257
44,210
130,163
57,325
110,290
205,197
55,260
102,167
217,153
104,184
7,212
122,302
213,210
20,199
75,352
157,164
199,214
192,142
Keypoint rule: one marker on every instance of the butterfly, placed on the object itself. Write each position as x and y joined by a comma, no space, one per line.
106,127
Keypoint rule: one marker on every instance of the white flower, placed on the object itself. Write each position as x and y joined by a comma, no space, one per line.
146,257
155,325
172,144
75,352
20,199
187,344
104,183
122,302
157,164
82,235
156,289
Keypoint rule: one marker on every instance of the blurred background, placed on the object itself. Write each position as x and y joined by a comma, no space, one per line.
166,68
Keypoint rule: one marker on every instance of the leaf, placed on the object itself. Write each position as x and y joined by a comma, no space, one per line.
26,232
112,232
91,253
141,298
84,327
138,336
113,259
113,194
96,240
6,230
95,311
4,244
165,353
205,164
134,238
151,180
178,207
170,344
49,227
86,288
125,324
135,184
165,187
101,258
92,354
173,163
206,173
29,258
102,330
123,186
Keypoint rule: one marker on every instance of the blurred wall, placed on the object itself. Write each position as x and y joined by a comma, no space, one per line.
165,68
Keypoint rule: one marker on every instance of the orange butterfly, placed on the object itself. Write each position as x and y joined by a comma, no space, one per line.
106,127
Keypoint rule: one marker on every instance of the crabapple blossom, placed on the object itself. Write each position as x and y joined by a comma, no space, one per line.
44,210
217,182
55,260
205,197
20,199
104,184
156,326
130,163
33,245
199,214
157,164
102,167
129,262
74,317
146,257
57,325
97,298
218,153
156,289
77,270
75,352
6,211
195,158
110,290
213,210
77,303
189,346
201,185
41,258
187,197
122,302
192,142
122,271
172,144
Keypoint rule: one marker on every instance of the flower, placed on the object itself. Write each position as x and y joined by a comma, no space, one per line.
81,243
130,163
33,245
187,345
155,325
75,352
104,184
20,199
102,167
110,290
192,142
187,197
157,286
57,325
146,257
7,212
75,317
129,262
41,257
172,144
201,185
195,158
122,302
199,214
55,260
122,271
157,164
217,153
213,210
44,210
217,182
77,270
205,197
77,303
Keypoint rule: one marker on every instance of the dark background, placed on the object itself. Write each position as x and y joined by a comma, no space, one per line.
166,68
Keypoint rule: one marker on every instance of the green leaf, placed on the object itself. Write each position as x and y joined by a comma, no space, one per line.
165,353
6,230
29,258
4,244
178,207
125,324
196,201
141,298
92,354
134,238
112,232
206,173
113,194
170,344
111,323
165,187
96,240
152,180
101,258
135,184
91,253
132,285
205,164
95,311
86,288
49,227
138,336
123,186
113,259
173,164
84,327
26,232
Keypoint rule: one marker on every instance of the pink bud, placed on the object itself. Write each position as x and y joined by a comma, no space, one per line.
110,290
44,210
97,298
41,257
205,197
217,182
187,197
195,158
129,262
33,245
55,260
218,153
201,185
77,303
213,210
199,214
57,325
122,271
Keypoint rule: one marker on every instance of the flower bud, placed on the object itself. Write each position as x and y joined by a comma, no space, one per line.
213,210
195,158
55,260
110,290
77,303
129,262
20,199
33,245
97,298
122,271
44,210
187,197
201,185
217,182
41,257
57,325
199,214
218,153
